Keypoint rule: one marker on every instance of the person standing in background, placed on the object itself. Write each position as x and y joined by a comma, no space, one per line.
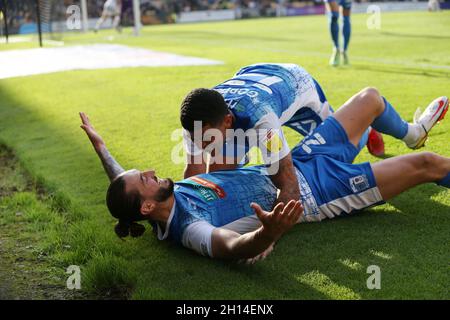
333,7
111,9
434,5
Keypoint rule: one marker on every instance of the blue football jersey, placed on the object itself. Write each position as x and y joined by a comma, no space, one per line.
220,197
263,98
260,89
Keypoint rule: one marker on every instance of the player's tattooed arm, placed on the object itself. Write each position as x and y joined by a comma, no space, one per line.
111,166
285,179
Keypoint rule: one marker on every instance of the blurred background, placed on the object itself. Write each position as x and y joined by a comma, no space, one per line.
21,15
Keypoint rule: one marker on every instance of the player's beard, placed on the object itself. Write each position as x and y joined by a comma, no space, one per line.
165,193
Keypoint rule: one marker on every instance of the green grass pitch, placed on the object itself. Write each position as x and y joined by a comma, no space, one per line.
136,110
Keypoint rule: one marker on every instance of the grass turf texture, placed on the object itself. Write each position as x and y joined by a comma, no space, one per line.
136,110
28,217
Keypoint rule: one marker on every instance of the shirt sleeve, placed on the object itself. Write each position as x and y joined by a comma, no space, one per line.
271,140
244,225
197,236
190,147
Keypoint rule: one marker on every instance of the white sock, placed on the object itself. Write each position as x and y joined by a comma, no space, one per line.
415,132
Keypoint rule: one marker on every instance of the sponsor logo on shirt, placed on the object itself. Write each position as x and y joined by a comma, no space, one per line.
207,189
238,92
272,141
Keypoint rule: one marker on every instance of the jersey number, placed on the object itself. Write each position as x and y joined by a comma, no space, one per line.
316,139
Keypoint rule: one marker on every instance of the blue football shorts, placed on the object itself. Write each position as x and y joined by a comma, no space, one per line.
330,184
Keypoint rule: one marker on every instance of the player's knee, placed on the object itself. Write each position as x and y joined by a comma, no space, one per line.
428,159
372,98
371,93
430,164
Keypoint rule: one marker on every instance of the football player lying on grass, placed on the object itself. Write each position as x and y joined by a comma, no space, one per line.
227,214
256,103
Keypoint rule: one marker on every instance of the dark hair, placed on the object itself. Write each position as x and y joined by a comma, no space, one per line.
123,229
204,105
125,206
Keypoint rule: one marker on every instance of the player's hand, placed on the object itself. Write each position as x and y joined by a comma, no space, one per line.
95,138
280,219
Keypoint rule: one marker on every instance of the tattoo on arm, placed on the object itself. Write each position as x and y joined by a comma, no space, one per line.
111,166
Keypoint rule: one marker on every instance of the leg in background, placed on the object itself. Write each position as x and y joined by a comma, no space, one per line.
100,22
333,14
346,32
116,22
334,28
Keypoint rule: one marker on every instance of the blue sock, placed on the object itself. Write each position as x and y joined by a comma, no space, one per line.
445,182
346,31
390,122
334,27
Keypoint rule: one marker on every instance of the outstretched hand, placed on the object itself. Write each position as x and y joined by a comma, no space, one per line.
93,136
111,166
280,219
